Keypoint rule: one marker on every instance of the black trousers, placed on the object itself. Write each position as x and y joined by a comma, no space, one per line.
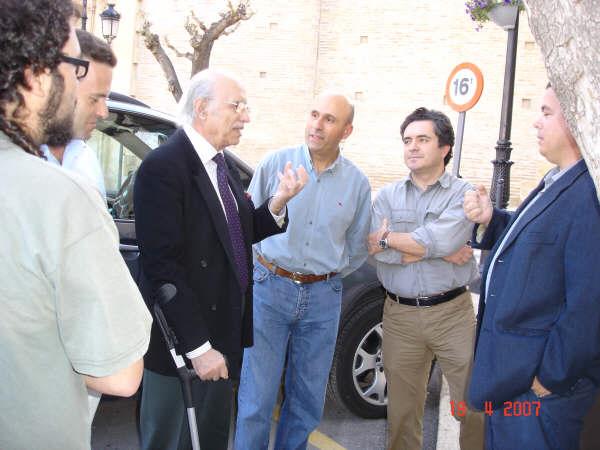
163,418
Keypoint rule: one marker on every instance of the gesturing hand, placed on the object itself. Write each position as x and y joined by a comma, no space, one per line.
290,183
478,206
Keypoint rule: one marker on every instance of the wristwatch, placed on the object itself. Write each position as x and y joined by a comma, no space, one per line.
383,242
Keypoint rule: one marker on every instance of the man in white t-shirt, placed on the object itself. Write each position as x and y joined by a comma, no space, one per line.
75,155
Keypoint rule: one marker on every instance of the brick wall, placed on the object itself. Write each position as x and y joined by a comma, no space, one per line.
389,57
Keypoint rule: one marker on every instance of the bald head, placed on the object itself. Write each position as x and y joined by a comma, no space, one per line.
341,102
329,122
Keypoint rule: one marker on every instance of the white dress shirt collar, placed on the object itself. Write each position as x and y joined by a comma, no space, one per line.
203,148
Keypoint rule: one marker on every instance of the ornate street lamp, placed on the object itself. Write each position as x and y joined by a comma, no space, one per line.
507,17
110,23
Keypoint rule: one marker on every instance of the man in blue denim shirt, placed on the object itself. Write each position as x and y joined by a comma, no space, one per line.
298,280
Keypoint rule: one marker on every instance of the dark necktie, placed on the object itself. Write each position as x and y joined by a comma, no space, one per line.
233,221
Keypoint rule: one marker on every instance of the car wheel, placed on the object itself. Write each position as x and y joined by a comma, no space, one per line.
357,379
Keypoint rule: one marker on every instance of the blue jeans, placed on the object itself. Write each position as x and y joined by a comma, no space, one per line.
553,422
306,317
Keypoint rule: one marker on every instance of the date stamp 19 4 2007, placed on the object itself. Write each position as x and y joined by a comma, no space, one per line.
517,408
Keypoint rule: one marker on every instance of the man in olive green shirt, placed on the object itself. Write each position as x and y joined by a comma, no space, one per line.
72,317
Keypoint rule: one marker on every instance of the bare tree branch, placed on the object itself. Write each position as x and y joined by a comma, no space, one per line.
228,19
179,54
198,21
202,39
231,30
202,44
152,43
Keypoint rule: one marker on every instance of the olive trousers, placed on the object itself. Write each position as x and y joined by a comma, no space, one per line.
412,337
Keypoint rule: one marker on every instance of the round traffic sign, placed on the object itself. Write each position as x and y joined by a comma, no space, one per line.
464,87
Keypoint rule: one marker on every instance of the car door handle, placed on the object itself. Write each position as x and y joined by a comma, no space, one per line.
128,248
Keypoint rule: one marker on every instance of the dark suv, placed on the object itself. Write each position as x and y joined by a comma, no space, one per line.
121,142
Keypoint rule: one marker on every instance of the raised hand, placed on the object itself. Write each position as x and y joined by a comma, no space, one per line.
290,183
478,206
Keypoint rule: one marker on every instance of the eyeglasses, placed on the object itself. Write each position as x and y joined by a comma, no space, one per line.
81,65
240,107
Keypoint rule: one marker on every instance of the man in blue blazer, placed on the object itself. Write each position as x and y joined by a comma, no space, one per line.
537,356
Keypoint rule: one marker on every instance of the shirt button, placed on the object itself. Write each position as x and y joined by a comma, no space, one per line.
307,244
310,223
500,260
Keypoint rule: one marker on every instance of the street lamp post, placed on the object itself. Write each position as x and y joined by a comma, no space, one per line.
500,190
110,22
84,16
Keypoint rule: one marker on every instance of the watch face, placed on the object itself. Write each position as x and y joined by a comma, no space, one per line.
383,243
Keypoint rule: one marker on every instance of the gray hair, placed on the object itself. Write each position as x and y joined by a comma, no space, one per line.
202,85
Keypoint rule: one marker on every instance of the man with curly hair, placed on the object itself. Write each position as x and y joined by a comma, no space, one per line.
72,317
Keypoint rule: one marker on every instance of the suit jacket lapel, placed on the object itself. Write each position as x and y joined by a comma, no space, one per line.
546,199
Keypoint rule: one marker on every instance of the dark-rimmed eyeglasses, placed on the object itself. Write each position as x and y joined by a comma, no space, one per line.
240,107
81,65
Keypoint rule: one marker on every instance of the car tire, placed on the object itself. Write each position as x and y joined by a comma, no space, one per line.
359,341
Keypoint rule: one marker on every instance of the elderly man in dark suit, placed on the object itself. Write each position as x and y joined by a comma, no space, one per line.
195,227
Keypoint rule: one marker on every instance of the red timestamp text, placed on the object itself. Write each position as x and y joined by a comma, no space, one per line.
515,408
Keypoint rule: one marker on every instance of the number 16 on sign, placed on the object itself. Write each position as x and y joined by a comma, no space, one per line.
463,89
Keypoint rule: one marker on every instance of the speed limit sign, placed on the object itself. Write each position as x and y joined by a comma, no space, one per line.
464,87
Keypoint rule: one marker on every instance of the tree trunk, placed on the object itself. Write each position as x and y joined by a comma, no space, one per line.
201,58
568,33
152,42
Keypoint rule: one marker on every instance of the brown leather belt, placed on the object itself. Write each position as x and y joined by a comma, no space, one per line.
296,277
429,300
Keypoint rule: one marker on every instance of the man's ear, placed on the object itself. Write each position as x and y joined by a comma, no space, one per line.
445,149
347,131
200,107
35,83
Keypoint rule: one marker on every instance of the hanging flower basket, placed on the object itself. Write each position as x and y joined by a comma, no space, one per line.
501,12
